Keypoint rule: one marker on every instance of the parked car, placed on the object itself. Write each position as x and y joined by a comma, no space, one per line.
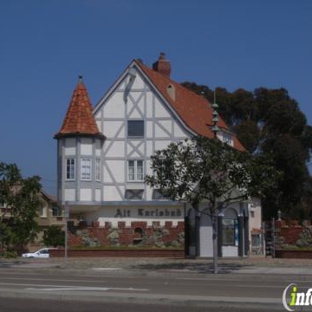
41,253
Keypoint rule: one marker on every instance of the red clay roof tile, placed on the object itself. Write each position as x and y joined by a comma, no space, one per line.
192,108
79,117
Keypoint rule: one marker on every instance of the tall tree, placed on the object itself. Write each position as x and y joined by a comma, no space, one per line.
209,172
19,199
53,236
269,122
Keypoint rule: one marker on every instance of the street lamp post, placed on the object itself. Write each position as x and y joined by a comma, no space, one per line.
66,228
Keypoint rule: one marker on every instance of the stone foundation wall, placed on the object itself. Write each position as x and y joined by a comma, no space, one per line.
139,233
292,233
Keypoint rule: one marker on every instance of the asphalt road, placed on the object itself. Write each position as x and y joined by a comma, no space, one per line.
22,305
235,291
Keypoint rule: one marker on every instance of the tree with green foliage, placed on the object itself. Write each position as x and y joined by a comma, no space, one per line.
269,122
54,236
19,202
207,171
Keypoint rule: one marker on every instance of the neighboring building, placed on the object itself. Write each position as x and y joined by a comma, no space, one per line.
49,213
104,153
256,230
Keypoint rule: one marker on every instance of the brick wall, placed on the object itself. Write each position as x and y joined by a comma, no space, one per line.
290,232
139,233
143,253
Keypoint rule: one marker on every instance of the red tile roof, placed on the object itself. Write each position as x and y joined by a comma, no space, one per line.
193,109
79,118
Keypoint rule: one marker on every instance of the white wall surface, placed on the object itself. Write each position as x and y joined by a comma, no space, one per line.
85,194
70,195
70,147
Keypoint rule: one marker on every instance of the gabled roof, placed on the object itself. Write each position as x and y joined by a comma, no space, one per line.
79,119
51,198
193,109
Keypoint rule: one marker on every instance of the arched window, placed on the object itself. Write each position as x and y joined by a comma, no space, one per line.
230,227
138,236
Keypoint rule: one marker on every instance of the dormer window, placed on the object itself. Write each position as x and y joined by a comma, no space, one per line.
171,91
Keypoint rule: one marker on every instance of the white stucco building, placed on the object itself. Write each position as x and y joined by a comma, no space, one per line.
104,154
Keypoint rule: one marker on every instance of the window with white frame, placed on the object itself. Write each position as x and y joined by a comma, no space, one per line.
135,170
98,169
135,128
43,210
86,169
70,169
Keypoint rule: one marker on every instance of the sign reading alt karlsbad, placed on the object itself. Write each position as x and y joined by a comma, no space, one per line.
115,214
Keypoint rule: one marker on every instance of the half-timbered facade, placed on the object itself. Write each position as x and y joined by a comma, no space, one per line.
104,152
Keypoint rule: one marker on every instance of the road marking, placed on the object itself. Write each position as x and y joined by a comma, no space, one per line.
79,288
52,279
236,283
106,269
58,287
20,284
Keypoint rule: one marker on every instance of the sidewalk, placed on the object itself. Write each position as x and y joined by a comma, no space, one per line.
251,265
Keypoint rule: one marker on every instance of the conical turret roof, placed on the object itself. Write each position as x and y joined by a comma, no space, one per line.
79,119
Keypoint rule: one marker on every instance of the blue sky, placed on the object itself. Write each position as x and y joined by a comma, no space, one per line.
45,45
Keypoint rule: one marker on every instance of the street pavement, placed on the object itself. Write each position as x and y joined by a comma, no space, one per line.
22,305
247,283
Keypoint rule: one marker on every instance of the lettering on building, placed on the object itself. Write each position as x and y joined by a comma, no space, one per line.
149,213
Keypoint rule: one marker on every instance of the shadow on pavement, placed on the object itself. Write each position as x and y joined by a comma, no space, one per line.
190,268
10,263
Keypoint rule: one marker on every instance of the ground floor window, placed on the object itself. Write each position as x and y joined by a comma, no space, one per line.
256,244
255,240
230,228
228,231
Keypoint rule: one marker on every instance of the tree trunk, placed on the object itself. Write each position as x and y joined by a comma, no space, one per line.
215,243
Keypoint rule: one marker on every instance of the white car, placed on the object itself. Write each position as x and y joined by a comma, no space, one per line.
41,253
